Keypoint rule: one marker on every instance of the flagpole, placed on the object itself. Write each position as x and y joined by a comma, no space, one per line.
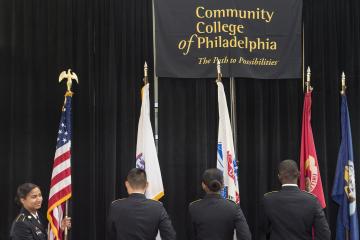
233,114
66,215
308,89
303,57
343,92
156,82
69,75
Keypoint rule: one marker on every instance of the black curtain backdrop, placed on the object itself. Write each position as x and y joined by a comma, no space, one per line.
106,43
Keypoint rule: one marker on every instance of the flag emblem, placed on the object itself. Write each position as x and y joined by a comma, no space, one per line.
349,176
311,174
140,161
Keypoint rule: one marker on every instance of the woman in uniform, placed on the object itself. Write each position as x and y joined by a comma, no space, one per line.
213,217
29,225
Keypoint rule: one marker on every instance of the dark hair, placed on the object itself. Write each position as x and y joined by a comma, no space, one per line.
213,178
23,190
288,169
137,178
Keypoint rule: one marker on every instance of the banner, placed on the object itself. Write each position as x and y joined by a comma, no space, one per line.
250,38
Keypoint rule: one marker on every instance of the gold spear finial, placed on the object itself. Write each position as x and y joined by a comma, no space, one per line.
309,88
343,84
218,68
146,80
69,76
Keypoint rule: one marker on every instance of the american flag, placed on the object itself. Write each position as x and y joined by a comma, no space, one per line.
60,187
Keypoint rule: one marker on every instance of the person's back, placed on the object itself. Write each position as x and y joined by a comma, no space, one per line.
138,218
291,213
215,218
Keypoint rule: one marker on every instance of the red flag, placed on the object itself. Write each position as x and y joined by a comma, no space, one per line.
310,179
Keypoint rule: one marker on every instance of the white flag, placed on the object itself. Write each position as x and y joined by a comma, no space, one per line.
146,155
226,160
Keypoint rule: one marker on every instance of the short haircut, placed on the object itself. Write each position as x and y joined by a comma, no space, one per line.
288,169
213,178
137,178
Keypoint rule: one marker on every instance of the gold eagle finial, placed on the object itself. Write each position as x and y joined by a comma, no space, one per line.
69,76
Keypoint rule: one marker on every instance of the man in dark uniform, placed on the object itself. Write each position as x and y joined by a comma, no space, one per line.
136,217
291,213
28,227
213,217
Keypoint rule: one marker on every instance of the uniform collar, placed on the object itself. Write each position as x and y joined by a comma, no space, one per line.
137,196
32,215
213,195
36,215
290,187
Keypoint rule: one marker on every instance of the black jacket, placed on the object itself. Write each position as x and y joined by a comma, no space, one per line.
215,218
138,218
26,227
291,214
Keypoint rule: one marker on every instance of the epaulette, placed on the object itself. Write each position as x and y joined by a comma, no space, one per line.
195,201
265,194
117,200
20,218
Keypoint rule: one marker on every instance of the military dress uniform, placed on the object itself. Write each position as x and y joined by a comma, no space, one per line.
292,214
138,218
216,218
28,227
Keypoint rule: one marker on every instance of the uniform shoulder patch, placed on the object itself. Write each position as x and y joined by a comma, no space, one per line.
268,193
116,200
195,201
20,218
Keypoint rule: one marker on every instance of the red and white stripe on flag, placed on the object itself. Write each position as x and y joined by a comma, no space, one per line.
60,190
